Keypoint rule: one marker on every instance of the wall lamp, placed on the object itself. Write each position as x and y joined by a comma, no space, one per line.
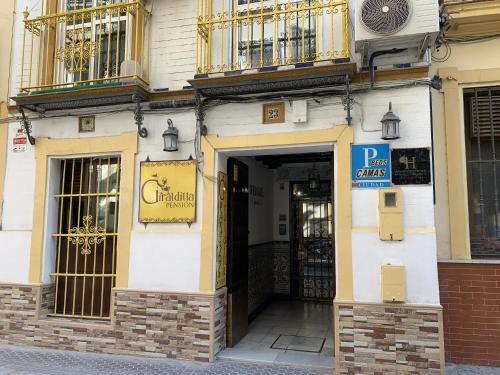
390,125
170,137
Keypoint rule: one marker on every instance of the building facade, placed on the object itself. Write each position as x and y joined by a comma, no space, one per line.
278,183
466,180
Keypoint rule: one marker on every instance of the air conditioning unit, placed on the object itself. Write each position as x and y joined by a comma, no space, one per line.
387,24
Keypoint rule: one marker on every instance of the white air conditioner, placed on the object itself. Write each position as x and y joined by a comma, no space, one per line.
387,24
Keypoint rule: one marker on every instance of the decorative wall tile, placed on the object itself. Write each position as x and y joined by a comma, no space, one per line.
260,275
160,324
281,268
385,339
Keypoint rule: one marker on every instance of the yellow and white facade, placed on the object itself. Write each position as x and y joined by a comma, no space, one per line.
164,301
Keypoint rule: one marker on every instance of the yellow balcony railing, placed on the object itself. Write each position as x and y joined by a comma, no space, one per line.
93,46
247,34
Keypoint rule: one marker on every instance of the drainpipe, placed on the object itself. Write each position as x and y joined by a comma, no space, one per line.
376,54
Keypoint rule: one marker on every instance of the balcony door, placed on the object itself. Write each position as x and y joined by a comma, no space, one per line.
94,43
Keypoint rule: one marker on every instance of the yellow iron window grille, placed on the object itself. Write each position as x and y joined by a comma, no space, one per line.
86,240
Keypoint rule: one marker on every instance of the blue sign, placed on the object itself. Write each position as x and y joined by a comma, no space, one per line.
371,166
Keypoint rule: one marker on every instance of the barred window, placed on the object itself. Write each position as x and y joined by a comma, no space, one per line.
86,237
482,120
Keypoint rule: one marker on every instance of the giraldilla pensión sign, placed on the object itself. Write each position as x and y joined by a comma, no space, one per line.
168,191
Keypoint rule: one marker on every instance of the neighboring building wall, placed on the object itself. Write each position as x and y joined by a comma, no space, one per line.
470,298
464,57
469,289
6,27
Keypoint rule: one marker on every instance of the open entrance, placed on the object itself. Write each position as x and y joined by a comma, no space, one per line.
280,258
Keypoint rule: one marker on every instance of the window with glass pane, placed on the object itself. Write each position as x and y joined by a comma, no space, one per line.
94,43
295,32
482,120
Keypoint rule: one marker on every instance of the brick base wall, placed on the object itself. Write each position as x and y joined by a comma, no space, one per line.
374,339
160,324
470,295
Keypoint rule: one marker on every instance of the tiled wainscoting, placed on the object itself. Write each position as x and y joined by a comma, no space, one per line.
388,339
470,295
160,324
268,273
260,275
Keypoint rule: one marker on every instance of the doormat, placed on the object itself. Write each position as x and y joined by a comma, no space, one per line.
299,343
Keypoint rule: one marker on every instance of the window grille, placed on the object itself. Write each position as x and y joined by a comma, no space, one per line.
86,240
482,120
313,273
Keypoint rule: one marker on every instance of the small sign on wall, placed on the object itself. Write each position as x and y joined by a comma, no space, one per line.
273,113
411,166
168,191
86,124
371,166
20,141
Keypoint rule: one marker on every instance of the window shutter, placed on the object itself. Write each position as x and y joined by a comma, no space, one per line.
485,118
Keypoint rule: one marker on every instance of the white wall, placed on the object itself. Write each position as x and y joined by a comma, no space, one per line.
160,257
281,207
163,256
260,209
418,250
173,42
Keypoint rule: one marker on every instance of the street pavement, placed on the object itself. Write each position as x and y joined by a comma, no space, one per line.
31,361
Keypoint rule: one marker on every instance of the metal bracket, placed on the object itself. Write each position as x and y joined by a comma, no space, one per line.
26,123
139,115
348,100
200,116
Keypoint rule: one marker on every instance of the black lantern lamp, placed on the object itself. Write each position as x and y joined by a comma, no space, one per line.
170,137
314,179
390,125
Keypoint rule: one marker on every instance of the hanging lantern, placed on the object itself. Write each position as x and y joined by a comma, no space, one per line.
390,125
170,137
314,179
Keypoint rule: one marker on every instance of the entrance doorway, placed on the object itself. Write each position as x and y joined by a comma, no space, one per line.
280,258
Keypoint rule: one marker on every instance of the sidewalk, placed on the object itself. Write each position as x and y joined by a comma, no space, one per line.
31,361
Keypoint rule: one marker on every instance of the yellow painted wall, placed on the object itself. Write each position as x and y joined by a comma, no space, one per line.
466,58
6,21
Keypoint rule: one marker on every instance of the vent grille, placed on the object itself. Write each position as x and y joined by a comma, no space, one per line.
385,17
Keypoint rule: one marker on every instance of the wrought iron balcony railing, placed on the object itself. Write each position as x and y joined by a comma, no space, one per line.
247,34
86,47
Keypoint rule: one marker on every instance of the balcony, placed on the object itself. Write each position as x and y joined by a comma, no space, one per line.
471,18
85,48
236,35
